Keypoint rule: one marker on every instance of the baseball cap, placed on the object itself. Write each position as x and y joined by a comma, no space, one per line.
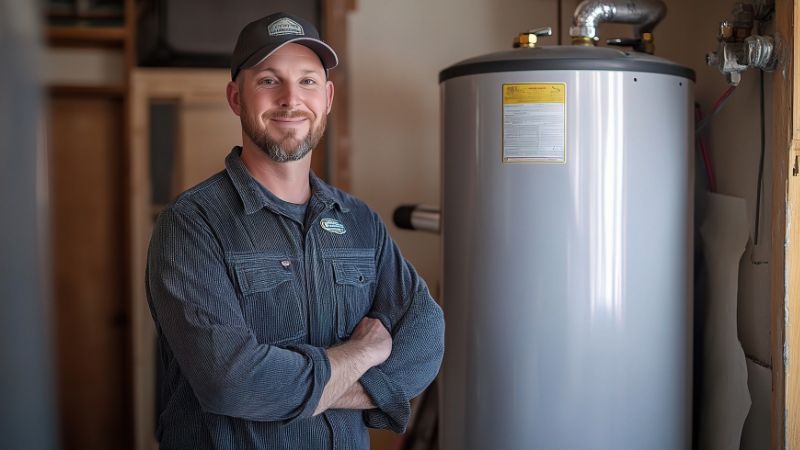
261,38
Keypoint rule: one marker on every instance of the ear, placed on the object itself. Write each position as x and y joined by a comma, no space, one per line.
329,92
232,93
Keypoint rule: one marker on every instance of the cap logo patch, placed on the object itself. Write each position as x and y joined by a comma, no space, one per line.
284,26
332,226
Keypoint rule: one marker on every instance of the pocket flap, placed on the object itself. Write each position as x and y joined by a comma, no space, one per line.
357,273
261,279
260,273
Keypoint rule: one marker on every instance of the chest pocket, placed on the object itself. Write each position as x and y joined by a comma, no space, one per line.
354,281
269,302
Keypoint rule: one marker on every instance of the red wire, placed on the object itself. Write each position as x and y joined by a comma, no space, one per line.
707,163
712,179
721,99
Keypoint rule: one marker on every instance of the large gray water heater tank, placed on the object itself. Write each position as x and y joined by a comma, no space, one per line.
567,251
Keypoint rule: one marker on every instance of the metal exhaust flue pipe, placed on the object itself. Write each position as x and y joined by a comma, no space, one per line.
645,14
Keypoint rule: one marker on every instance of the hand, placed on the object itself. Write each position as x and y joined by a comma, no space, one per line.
373,339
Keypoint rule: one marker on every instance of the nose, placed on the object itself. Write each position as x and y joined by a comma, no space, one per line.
289,96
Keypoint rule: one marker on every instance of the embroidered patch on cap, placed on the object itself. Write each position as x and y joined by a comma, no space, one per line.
285,26
332,226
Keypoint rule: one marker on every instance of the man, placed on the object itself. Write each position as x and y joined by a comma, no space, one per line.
286,316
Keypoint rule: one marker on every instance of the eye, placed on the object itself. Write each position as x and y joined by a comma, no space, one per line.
308,81
267,81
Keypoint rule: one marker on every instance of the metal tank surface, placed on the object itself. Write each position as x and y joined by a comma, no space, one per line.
567,251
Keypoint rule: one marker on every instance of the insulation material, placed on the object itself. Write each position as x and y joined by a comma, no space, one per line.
754,306
725,400
756,432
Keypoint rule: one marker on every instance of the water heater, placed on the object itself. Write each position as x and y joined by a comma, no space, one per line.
567,251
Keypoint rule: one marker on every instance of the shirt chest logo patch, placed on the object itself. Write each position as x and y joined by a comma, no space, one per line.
332,226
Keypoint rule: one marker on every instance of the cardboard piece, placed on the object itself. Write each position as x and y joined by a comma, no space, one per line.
725,398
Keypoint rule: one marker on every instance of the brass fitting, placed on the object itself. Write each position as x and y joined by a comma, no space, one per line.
526,40
648,46
583,40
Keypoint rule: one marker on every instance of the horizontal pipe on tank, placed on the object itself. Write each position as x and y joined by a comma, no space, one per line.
418,217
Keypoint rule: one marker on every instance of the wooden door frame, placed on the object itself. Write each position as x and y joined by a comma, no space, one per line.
334,32
785,248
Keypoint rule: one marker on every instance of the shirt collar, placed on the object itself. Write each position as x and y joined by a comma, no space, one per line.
255,198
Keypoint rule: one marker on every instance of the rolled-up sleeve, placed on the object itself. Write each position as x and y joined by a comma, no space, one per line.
195,308
404,304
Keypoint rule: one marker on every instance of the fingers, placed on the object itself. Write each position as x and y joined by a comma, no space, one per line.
369,326
374,338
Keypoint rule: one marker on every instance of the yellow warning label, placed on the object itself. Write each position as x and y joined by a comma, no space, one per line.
534,93
535,123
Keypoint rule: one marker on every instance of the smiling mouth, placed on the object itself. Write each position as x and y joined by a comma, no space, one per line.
289,116
289,120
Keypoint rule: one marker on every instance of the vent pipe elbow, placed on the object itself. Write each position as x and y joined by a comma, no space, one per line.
644,14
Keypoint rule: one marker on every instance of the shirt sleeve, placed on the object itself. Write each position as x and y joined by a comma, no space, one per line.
194,304
404,305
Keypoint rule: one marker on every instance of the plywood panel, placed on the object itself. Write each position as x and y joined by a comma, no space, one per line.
90,311
208,131
791,167
334,164
793,303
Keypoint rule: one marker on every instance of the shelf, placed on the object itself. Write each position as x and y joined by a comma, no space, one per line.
87,91
102,36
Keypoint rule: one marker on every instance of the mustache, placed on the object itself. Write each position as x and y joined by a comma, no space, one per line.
288,114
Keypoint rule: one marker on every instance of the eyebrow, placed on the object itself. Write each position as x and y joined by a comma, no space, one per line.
304,72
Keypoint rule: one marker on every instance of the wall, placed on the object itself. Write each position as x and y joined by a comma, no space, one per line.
397,50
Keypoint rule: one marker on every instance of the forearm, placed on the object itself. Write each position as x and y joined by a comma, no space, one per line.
348,363
354,398
369,345
418,344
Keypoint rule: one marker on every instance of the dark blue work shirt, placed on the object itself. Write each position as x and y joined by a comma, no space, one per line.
246,297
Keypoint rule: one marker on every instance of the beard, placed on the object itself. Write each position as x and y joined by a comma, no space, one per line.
288,147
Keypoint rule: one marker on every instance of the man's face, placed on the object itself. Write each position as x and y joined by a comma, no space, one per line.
284,102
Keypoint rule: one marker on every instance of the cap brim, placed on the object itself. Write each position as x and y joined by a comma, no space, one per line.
323,50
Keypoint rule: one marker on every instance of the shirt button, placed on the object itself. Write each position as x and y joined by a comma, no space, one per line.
286,263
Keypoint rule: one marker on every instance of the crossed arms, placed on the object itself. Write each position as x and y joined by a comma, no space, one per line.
368,347
389,359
